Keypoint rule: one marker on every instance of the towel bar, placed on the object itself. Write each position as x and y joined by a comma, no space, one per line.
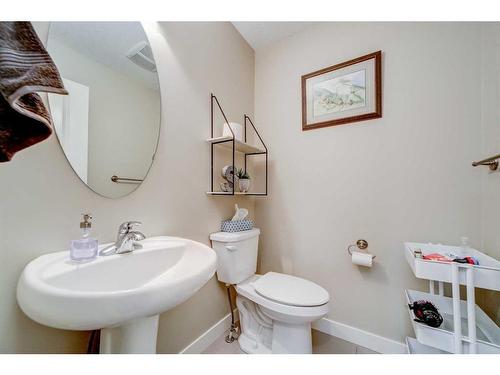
491,162
119,180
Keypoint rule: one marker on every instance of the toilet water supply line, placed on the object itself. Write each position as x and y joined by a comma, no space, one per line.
233,331
471,308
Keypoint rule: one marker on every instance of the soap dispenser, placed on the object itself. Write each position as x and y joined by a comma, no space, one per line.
464,248
85,248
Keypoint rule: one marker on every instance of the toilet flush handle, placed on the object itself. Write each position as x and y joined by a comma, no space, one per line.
231,248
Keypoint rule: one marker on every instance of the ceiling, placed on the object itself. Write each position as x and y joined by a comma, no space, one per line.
106,43
262,34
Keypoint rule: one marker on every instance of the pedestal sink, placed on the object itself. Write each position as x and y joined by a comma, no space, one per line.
121,294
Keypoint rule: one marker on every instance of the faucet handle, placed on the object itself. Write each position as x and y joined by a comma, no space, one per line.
128,225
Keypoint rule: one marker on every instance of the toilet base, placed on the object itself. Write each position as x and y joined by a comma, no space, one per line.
249,346
256,328
262,335
291,338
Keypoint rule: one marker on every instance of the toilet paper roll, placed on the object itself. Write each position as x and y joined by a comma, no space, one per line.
362,259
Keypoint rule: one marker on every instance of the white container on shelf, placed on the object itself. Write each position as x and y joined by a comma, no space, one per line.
237,130
487,332
414,347
486,274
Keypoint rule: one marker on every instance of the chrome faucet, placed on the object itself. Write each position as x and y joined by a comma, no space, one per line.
126,240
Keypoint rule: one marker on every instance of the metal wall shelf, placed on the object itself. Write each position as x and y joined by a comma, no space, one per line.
239,146
235,145
230,193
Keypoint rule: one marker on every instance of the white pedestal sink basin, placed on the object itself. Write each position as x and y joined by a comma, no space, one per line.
121,294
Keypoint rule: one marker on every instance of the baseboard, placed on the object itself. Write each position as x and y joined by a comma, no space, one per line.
357,336
330,327
199,345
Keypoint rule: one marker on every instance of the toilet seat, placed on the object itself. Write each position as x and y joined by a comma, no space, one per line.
290,290
290,313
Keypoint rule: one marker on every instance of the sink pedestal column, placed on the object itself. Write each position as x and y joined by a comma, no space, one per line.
135,337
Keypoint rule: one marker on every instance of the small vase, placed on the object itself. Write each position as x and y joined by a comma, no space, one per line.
244,184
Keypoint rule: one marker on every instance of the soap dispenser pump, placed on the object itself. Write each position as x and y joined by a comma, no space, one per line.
85,248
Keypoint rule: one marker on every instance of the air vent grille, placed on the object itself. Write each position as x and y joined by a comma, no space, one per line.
142,55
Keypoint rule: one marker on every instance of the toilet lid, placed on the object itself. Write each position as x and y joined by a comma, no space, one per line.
290,290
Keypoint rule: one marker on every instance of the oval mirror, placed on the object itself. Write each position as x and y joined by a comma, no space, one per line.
108,126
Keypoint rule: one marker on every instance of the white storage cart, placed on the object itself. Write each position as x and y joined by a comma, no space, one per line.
466,328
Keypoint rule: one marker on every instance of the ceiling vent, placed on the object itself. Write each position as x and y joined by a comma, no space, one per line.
142,55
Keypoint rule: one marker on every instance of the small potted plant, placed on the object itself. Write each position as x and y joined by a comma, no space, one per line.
243,180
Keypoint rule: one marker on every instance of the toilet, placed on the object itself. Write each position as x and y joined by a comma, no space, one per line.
276,310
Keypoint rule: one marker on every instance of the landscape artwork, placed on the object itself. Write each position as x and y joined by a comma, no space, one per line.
340,94
344,93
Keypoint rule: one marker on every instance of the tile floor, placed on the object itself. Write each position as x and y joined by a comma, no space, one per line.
322,344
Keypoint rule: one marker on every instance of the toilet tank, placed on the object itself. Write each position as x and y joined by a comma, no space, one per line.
236,255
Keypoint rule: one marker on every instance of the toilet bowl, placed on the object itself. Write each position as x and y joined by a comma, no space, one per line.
289,310
276,310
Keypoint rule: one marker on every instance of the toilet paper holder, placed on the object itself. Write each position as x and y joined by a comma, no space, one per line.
361,245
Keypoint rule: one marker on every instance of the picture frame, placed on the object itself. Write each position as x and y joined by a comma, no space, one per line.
343,93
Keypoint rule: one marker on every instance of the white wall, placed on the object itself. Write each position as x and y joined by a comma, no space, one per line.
42,199
404,177
124,119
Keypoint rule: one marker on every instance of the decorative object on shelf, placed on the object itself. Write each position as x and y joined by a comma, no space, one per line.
230,177
233,128
228,173
230,141
226,187
347,92
243,180
238,223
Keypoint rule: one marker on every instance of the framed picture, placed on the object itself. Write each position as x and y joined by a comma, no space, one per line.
340,94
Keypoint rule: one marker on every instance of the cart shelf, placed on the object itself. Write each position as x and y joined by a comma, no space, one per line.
414,347
466,328
486,274
487,332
